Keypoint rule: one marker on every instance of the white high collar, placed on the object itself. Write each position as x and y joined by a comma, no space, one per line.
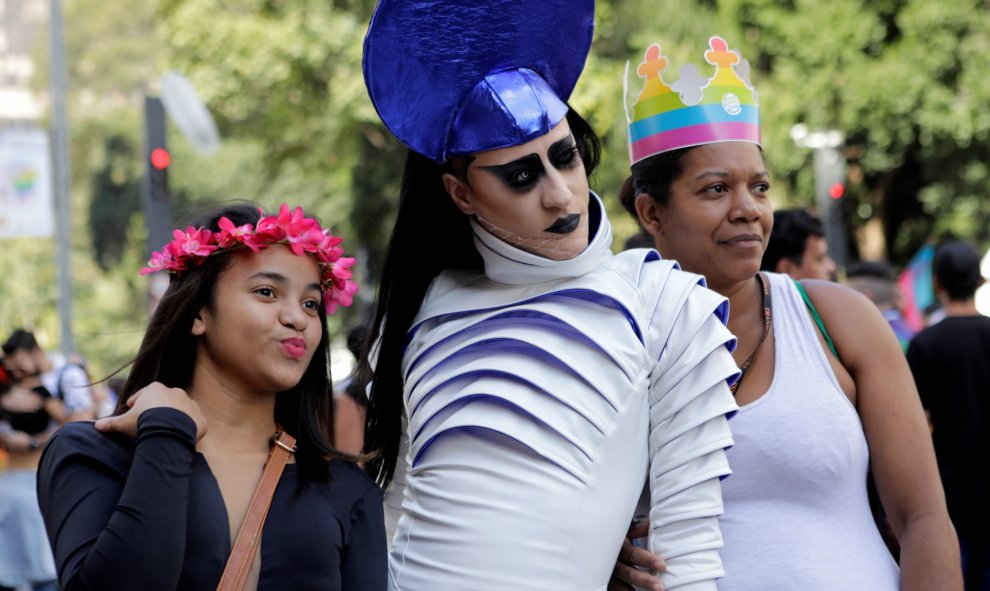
507,264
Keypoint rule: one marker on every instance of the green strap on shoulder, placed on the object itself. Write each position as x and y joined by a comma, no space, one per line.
818,319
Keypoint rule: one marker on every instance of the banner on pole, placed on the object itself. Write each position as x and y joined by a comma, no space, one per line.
25,184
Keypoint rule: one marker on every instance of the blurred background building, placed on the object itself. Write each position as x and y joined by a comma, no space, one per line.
21,23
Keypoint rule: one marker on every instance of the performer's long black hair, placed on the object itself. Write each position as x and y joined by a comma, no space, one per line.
430,235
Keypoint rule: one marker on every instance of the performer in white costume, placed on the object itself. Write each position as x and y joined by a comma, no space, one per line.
543,380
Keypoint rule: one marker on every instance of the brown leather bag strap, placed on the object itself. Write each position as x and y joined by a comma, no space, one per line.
249,536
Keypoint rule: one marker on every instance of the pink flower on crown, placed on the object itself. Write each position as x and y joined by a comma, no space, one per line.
287,216
329,249
178,259
340,297
192,243
160,261
170,258
302,233
231,235
339,287
268,230
291,226
341,270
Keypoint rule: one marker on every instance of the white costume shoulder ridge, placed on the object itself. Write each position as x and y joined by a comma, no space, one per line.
451,279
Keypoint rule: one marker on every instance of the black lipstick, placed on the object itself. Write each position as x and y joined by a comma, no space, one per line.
566,224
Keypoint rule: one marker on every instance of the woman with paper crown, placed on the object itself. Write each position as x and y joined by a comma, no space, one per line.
533,368
185,486
825,394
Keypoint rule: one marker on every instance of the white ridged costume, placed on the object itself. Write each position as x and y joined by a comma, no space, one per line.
539,396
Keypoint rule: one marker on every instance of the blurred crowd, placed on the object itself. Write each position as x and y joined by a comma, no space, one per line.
39,392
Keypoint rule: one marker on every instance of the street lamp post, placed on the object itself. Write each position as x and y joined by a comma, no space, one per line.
60,169
830,181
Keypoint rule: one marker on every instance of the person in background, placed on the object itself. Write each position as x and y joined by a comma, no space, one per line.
876,280
797,247
951,365
825,394
934,313
350,401
638,240
231,382
27,419
66,379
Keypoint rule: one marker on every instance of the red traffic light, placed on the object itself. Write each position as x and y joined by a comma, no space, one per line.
837,190
160,158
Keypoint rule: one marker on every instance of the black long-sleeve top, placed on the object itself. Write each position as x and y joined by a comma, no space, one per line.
147,514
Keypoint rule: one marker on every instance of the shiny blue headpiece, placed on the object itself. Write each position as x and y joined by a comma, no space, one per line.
452,77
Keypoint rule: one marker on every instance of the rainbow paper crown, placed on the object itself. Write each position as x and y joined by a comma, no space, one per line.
693,111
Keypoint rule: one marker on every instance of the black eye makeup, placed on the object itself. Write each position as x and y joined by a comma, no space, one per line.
564,154
524,173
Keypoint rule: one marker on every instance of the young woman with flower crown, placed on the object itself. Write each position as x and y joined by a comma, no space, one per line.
160,494
532,368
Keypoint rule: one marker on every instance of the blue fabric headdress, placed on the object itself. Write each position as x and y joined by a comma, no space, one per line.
452,77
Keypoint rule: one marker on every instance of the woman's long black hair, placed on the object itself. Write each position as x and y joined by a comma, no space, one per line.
430,235
653,176
168,355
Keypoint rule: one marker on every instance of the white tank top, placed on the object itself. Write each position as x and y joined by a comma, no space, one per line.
796,508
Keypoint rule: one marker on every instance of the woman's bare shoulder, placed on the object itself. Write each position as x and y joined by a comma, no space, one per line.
837,301
855,324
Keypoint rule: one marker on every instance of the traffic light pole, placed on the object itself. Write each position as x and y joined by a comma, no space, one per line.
155,193
830,171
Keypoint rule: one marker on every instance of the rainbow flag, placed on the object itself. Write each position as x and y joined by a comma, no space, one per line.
915,283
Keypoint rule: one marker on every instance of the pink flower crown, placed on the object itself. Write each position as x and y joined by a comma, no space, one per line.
302,234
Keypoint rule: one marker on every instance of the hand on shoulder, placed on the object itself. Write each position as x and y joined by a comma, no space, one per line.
154,395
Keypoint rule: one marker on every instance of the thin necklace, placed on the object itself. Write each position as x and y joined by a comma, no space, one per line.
767,318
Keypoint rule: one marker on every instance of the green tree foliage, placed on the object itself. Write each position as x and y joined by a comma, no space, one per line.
904,81
28,285
288,75
115,198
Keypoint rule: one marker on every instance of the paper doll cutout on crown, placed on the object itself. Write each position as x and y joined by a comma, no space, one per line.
694,110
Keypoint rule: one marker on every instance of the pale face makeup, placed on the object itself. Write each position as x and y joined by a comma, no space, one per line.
533,196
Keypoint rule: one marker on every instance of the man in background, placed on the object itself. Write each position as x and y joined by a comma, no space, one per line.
797,247
876,280
951,365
